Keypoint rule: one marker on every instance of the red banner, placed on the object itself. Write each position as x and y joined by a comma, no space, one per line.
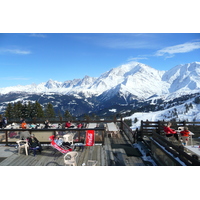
89,138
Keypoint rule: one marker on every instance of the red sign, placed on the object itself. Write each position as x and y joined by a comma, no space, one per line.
89,138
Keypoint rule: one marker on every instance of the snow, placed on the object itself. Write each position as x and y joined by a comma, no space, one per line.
136,78
192,114
141,81
144,156
163,148
113,110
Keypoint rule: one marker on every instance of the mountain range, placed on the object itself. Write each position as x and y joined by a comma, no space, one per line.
128,88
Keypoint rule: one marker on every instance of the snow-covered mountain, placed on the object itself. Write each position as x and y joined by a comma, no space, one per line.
183,77
136,78
125,86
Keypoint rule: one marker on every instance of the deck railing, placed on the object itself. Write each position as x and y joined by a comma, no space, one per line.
167,153
131,135
148,127
11,135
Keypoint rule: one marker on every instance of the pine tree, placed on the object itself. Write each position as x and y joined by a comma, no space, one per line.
39,113
30,110
86,117
9,111
24,112
67,115
49,111
17,110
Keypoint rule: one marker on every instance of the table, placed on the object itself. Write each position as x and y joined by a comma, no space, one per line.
194,148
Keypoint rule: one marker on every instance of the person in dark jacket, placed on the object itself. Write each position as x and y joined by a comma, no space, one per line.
4,122
34,144
47,124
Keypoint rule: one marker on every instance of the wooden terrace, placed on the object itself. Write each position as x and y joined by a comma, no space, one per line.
103,154
115,150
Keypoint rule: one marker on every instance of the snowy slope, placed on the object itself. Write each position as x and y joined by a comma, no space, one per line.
183,77
183,114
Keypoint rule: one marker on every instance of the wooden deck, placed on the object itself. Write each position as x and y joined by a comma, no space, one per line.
105,155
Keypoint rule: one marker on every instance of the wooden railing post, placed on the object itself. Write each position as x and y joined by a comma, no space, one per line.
103,133
141,129
6,138
121,123
159,127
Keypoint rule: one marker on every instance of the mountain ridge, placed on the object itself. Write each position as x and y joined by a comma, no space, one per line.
137,78
133,86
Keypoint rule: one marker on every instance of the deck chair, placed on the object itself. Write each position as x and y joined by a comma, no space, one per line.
22,144
59,148
70,158
69,137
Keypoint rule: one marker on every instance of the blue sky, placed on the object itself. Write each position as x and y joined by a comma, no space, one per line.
27,58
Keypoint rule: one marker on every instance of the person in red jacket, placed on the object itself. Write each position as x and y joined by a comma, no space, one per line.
68,124
170,132
23,125
185,132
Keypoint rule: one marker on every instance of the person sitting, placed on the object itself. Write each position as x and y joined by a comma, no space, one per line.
32,126
185,135
4,122
69,125
47,124
59,141
79,125
170,132
34,144
23,125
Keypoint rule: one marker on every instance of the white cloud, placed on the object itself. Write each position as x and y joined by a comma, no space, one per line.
38,35
181,48
14,51
137,58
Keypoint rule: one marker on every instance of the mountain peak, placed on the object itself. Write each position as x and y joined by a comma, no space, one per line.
137,78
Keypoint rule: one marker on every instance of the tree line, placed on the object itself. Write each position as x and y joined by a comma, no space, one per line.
33,110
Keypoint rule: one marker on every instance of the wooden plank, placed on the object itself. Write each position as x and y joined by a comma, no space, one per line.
94,153
103,157
55,160
82,158
60,160
8,160
43,161
85,159
24,160
119,157
135,161
90,154
108,149
98,155
18,160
